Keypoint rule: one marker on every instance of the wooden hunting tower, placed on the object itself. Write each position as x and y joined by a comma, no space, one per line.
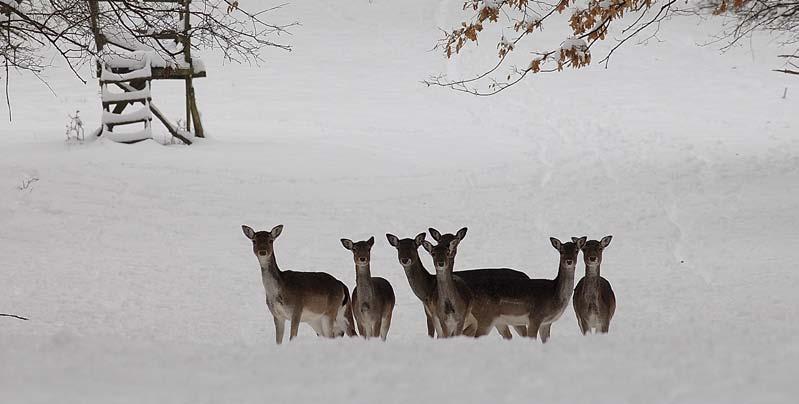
129,60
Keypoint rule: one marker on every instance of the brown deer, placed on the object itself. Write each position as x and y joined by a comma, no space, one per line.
316,298
536,303
422,282
477,280
549,298
451,297
373,297
594,301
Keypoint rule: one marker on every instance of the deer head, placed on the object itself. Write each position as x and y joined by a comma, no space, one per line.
444,252
361,250
592,250
568,251
446,239
263,242
407,248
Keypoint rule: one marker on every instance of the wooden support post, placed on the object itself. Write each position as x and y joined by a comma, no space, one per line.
195,112
187,56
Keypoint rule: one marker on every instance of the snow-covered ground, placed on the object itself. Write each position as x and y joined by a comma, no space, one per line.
140,286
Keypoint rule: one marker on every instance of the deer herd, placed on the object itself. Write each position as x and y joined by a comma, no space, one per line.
469,302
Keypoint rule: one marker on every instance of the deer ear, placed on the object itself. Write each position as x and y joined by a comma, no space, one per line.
419,239
347,243
461,233
276,231
248,231
427,246
371,241
392,239
574,240
434,234
555,243
581,242
605,241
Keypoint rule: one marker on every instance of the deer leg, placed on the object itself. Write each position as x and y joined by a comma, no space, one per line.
445,333
386,324
605,327
532,328
328,326
350,321
431,328
504,331
361,328
439,328
377,326
469,330
317,327
521,330
583,325
544,332
296,315
280,327
460,326
482,328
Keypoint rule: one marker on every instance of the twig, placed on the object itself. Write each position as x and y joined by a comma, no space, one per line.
27,183
14,316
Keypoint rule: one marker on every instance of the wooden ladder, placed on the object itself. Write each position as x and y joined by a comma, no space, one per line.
135,86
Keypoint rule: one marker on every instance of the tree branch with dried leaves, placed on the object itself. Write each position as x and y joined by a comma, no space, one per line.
585,23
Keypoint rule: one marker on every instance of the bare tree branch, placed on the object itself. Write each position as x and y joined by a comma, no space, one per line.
14,316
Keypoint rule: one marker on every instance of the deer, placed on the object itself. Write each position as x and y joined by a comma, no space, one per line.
423,282
536,303
373,297
451,298
476,279
594,301
315,298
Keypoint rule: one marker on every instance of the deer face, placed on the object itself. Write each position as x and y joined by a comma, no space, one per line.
262,242
448,239
592,251
568,251
361,251
406,248
442,254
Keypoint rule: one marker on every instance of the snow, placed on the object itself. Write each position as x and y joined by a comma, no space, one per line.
141,114
120,135
130,262
574,43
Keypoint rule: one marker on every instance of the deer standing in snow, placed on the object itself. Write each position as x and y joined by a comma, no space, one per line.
594,301
423,283
373,297
451,298
316,298
535,303
479,281
550,297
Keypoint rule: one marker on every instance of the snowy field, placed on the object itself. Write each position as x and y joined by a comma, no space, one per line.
140,287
